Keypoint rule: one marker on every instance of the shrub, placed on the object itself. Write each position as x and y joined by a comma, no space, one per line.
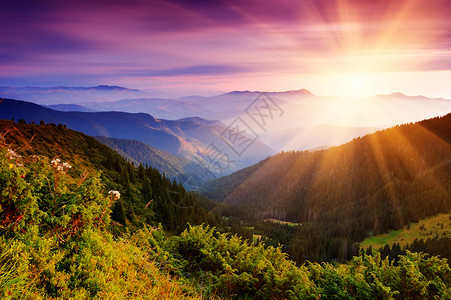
55,243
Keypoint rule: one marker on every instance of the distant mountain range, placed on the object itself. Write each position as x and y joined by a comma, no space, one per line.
163,108
68,107
303,121
70,95
194,138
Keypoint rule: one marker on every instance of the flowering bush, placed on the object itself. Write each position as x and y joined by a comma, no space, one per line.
59,166
116,195
54,242
39,195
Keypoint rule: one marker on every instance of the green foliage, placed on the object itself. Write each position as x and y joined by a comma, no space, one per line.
40,197
368,277
440,246
225,265
233,267
54,240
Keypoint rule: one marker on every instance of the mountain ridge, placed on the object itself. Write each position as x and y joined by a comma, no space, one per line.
308,184
189,137
172,166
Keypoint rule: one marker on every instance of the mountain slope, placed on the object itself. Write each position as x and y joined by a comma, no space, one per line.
174,167
373,184
146,195
115,124
347,118
56,238
189,137
69,107
437,225
306,138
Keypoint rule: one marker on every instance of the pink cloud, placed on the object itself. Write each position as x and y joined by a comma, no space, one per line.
108,40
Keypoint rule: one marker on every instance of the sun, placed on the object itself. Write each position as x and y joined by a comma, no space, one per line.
357,85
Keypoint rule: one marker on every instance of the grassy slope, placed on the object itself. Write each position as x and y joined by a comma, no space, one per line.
84,152
283,222
406,235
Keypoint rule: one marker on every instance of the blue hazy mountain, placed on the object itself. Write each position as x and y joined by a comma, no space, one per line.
190,138
69,107
70,95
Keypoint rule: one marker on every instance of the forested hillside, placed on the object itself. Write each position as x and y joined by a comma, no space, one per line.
173,166
147,196
343,194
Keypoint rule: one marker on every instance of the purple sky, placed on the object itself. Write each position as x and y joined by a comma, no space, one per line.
330,47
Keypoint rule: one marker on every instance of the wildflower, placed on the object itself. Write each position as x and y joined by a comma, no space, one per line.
11,166
11,154
116,195
59,165
67,165
55,161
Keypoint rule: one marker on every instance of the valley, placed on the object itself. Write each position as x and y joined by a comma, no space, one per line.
192,138
321,189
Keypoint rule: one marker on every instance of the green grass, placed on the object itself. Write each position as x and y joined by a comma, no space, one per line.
426,228
283,222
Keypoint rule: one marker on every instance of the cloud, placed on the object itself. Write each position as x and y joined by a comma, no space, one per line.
197,70
105,39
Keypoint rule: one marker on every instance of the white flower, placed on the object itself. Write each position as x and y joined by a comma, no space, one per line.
55,161
67,165
116,195
11,154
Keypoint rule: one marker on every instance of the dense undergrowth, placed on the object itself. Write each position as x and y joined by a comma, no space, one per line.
56,243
